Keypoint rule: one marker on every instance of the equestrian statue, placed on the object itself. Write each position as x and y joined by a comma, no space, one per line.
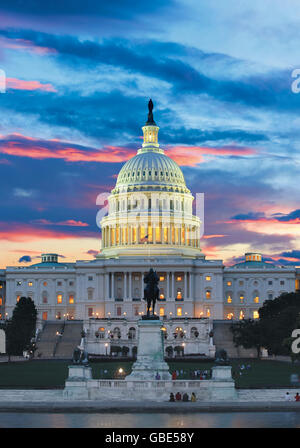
151,292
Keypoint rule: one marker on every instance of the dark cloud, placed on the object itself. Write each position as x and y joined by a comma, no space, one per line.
25,259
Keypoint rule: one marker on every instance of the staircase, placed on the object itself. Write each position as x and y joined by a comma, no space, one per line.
69,340
47,340
223,340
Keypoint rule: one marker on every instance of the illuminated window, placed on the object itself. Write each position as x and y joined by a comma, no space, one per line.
30,283
179,311
208,278
242,314
256,299
255,314
208,312
230,316
208,294
45,283
45,315
242,298
59,298
229,299
229,283
1,301
18,298
179,278
179,294
1,286
19,283
71,299
161,311
162,278
162,294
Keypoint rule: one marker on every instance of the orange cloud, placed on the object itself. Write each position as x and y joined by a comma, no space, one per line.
69,222
27,45
192,155
19,84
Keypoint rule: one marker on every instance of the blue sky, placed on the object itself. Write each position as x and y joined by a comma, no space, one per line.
78,82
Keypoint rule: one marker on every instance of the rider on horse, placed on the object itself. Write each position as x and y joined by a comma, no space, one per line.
151,292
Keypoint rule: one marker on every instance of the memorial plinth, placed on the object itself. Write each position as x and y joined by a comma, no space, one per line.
150,353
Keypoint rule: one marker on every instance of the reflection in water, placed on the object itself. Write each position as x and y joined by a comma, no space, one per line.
199,420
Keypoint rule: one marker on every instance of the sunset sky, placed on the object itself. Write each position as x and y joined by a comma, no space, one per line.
77,86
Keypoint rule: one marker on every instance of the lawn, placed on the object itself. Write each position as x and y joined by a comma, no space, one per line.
47,374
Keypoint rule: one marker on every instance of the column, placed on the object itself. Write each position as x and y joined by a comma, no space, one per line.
185,286
130,286
112,286
125,285
107,286
191,286
142,285
168,286
173,286
109,236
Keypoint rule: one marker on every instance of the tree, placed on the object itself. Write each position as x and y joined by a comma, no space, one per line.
278,318
247,333
20,329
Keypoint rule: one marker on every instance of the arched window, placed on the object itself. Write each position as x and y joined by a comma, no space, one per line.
194,333
101,332
162,294
132,333
208,294
116,333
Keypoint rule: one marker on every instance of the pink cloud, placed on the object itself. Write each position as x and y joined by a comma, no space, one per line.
25,45
69,222
19,84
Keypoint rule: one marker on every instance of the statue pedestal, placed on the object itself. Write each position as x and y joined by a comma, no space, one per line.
76,383
150,353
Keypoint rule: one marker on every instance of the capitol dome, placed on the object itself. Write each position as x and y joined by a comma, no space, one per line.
150,208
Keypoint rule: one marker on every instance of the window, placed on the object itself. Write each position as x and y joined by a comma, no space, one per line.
119,311
136,310
179,278
90,312
90,294
90,279
161,311
162,294
242,315
58,315
101,332
270,282
270,296
229,283
1,286
59,298
208,312
71,283
1,301
132,333
162,278
208,278
229,299
179,294
18,298
208,294
241,282
19,283
30,283
59,283
45,299
71,299
230,316
255,314
242,298
281,282
45,283
179,311
45,315
256,299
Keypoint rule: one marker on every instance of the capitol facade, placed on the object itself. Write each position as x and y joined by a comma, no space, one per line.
150,223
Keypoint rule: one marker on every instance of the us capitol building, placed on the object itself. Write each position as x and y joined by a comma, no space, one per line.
150,223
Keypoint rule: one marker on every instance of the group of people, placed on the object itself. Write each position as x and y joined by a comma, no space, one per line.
289,397
184,397
193,374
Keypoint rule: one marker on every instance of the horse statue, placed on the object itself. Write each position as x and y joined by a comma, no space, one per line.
151,291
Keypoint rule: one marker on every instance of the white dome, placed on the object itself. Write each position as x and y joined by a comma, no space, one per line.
151,168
